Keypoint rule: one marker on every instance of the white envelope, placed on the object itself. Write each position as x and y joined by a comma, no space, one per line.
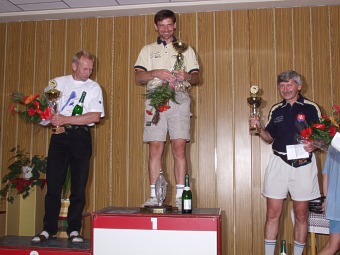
296,151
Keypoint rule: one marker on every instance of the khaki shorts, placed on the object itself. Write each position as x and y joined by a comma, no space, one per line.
176,120
281,178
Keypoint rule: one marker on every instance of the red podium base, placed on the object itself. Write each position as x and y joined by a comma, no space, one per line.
129,231
21,245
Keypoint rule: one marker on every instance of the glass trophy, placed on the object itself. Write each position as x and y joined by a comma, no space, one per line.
160,190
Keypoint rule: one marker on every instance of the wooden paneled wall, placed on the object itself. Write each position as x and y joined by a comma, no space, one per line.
236,49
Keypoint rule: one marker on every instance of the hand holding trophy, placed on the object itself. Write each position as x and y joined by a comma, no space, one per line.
53,95
180,47
254,101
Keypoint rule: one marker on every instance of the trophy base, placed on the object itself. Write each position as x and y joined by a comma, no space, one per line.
158,209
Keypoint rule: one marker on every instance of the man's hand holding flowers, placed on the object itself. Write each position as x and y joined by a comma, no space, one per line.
319,134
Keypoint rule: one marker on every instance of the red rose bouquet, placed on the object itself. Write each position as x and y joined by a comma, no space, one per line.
35,108
322,132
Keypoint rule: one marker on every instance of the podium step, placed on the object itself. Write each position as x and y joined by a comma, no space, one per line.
19,245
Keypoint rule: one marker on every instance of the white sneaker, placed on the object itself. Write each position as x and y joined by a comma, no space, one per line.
179,203
152,201
75,237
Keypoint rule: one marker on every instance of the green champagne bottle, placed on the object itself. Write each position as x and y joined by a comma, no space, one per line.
187,197
78,109
283,248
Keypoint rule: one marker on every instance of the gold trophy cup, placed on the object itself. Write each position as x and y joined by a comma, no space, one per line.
53,95
180,47
254,101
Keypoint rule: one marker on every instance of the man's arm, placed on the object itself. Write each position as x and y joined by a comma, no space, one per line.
143,77
87,118
264,134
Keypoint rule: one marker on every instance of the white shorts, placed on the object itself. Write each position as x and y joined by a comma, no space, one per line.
280,178
175,120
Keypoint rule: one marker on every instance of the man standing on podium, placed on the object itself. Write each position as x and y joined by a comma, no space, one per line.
154,67
71,145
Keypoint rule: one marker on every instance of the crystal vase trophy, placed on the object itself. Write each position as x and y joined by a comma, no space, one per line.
53,95
160,188
180,47
254,101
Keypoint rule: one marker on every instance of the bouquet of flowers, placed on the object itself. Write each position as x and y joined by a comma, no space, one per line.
35,108
322,132
159,100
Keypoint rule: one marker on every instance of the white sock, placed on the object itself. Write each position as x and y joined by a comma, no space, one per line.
153,190
269,246
298,248
179,190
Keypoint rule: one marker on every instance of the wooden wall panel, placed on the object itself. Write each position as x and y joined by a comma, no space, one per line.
9,129
206,126
321,52
121,109
224,122
335,53
74,41
235,49
26,78
57,56
283,41
40,80
3,97
302,48
138,168
102,154
242,156
187,33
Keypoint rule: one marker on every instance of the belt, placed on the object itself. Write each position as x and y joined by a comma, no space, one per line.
75,127
294,162
64,129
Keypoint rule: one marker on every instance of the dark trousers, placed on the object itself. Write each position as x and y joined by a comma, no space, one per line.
72,148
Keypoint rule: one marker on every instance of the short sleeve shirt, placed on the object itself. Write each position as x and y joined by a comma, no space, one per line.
159,56
283,124
331,168
71,91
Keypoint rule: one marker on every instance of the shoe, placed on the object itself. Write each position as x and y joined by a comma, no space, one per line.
75,237
152,201
179,203
42,237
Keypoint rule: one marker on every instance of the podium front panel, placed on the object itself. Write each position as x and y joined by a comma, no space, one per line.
127,231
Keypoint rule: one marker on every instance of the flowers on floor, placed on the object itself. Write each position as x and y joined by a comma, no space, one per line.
322,132
31,108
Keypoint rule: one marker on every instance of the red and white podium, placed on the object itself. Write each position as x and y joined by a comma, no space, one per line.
129,231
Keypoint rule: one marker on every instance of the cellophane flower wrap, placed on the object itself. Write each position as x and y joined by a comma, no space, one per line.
31,108
322,132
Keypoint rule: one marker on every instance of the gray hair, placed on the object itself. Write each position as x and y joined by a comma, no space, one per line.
82,53
290,74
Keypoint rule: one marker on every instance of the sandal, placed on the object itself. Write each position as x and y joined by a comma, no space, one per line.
42,237
75,237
